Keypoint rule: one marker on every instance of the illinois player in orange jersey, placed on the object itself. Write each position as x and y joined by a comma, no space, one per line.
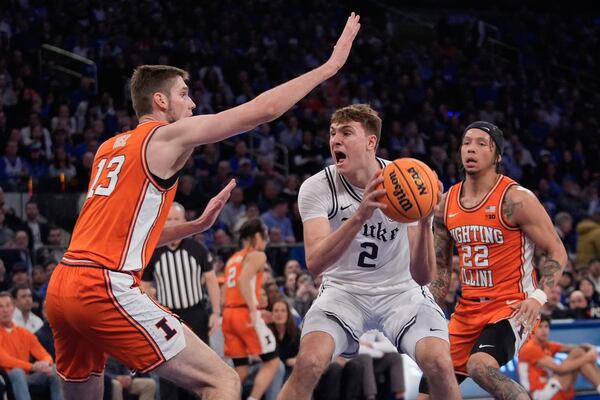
495,225
244,332
544,378
95,304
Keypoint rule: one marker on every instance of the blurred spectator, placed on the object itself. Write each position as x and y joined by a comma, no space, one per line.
4,282
291,135
553,306
23,315
563,224
54,250
45,336
38,279
286,334
250,213
588,242
234,210
124,382
378,355
586,286
38,228
6,234
578,305
19,346
13,168
277,216
594,271
277,252
306,293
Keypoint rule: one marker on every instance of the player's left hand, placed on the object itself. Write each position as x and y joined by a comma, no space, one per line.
214,207
528,312
213,324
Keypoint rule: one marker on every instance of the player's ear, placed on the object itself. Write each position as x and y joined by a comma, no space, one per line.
160,100
372,142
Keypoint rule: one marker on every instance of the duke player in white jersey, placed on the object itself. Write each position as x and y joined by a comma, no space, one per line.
374,269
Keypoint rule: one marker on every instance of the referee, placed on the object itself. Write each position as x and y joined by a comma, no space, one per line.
175,270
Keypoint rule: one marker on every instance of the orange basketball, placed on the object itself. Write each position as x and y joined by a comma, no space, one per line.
411,189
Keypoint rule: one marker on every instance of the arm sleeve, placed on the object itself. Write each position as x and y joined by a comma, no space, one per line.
315,198
9,362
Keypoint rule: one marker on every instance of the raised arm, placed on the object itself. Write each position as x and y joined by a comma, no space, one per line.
177,139
521,208
443,244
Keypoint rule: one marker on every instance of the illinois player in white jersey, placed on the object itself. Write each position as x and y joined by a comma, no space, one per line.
374,269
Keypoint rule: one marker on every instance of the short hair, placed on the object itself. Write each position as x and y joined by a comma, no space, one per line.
545,318
15,290
363,113
149,79
563,217
251,228
4,293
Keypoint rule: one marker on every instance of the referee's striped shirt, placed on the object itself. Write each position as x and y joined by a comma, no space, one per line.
177,273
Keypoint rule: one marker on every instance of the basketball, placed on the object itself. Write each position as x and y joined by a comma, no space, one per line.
411,189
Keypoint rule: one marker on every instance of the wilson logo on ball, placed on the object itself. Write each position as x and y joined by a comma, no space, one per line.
399,193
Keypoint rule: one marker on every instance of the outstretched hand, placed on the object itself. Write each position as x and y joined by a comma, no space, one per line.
214,207
344,44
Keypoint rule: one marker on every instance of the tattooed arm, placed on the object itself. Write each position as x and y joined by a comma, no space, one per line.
521,208
443,245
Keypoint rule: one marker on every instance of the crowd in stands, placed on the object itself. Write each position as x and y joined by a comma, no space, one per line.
427,91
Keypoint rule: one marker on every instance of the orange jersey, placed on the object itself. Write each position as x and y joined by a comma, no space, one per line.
496,259
530,354
233,269
125,210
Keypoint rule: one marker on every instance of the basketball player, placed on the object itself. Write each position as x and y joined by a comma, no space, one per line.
495,225
95,305
373,267
245,333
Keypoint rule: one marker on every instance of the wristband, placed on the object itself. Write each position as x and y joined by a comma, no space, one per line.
539,295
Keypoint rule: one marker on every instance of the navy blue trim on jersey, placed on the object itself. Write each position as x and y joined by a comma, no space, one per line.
334,200
349,189
344,325
403,331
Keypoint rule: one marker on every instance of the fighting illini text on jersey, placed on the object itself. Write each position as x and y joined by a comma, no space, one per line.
120,224
495,258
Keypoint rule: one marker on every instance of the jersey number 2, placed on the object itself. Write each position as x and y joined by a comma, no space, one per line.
113,167
370,253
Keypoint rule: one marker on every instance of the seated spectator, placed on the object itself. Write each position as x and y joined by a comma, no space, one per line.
578,305
306,293
341,380
234,210
588,241
594,271
553,307
378,355
543,377
7,236
286,334
277,252
123,382
277,216
586,286
4,283
563,224
23,316
54,248
38,279
17,347
13,168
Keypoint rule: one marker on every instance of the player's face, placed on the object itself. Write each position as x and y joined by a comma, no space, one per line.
280,313
261,241
543,331
6,310
477,152
180,103
351,147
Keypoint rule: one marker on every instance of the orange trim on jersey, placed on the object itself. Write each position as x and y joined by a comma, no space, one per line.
145,162
501,214
483,201
132,321
131,228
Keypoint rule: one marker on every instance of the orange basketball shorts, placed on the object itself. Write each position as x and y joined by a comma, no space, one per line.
241,339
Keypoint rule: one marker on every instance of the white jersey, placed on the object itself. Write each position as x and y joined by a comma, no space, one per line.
378,259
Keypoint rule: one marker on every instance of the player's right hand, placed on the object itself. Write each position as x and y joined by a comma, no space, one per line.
214,207
369,201
252,321
344,44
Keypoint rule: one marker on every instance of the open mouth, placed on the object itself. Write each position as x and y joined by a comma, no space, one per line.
340,157
470,161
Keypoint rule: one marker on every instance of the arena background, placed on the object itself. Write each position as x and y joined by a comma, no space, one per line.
429,67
